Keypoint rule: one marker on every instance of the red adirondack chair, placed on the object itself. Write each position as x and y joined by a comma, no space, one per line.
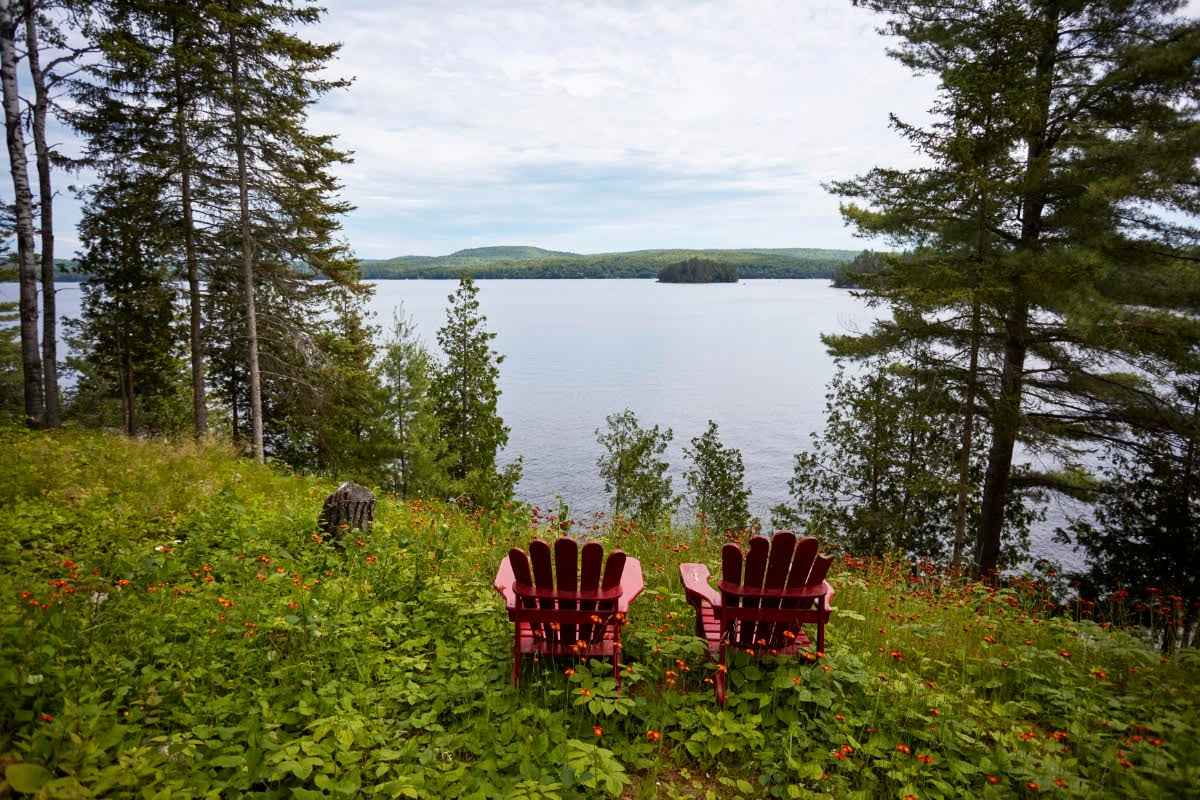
563,606
762,599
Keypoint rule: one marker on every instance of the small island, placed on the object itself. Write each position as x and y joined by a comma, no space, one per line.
698,270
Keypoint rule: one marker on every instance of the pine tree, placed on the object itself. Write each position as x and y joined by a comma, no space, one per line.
1049,247
215,96
286,210
466,392
882,476
126,333
418,468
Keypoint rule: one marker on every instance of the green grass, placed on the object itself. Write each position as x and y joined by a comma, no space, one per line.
169,627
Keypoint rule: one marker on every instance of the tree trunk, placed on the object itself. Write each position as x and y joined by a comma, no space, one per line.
1006,422
41,104
195,330
127,395
239,129
31,362
1007,416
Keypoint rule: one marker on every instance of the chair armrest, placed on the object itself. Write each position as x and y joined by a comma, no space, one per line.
632,584
504,584
696,585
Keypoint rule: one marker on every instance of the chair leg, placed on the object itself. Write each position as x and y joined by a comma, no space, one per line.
616,661
516,670
720,680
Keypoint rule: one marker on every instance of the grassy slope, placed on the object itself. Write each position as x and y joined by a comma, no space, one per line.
169,626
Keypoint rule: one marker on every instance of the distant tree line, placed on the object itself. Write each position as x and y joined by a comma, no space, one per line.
640,264
698,270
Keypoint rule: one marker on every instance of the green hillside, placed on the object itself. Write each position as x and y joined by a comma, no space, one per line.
534,262
170,626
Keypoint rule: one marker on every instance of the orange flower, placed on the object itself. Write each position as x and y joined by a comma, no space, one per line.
569,671
839,717
585,692
925,758
992,779
653,736
1060,783
1033,787
47,718
1064,654
934,712
903,748
596,729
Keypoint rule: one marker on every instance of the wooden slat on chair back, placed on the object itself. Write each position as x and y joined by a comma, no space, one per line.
781,562
561,568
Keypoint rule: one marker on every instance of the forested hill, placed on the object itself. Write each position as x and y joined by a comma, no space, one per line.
534,262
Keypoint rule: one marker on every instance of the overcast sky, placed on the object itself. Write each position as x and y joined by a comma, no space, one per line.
603,126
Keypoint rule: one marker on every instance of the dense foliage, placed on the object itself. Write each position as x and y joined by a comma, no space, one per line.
698,270
532,262
169,626
716,482
1047,280
465,391
633,469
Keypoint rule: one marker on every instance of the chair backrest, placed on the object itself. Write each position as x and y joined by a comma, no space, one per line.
755,588
565,590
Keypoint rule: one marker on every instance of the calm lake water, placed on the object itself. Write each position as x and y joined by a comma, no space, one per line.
745,355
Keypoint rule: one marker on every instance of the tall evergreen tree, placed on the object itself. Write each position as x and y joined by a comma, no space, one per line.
127,330
418,468
1063,156
286,210
466,391
215,97
146,103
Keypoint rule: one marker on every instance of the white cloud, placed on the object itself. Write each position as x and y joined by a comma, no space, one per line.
463,111
606,125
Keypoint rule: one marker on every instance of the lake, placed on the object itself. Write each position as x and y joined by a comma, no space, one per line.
746,355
